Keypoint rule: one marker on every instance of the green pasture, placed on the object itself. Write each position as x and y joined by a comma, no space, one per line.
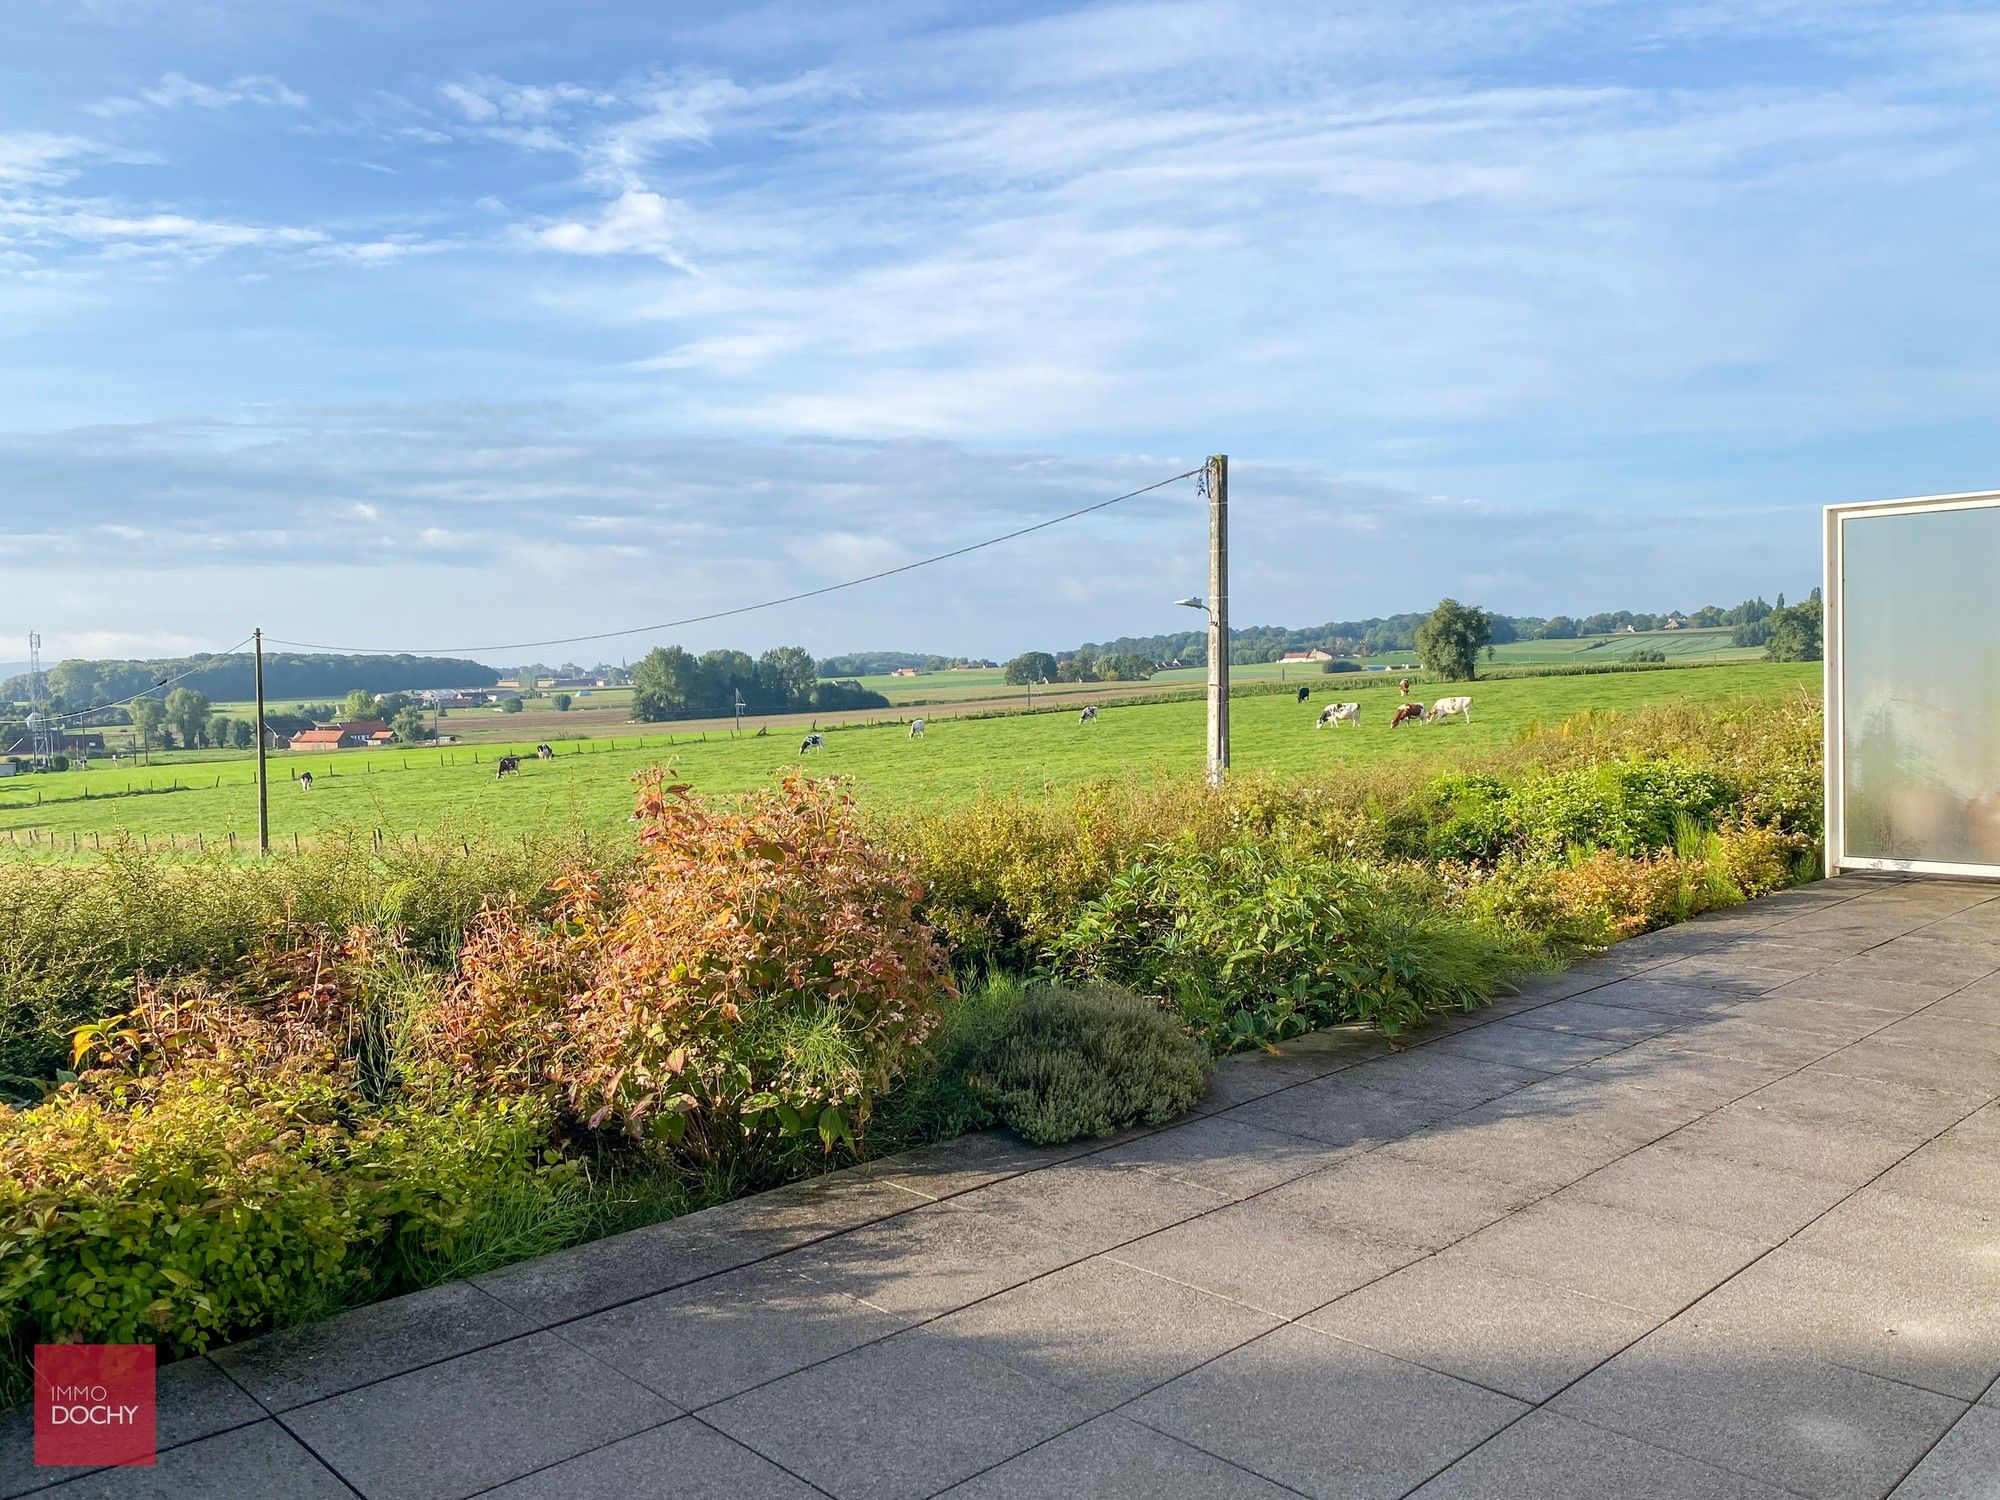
453,789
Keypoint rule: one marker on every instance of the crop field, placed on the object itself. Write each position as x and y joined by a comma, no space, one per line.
589,783
1675,645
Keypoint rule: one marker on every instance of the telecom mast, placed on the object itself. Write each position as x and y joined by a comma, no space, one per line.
41,733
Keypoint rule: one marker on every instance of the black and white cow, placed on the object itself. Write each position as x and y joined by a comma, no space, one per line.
916,729
510,765
305,781
812,742
1088,716
545,752
1304,693
1340,713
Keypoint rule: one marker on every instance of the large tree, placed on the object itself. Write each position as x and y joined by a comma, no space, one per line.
1031,666
1449,640
665,684
146,716
1795,633
360,704
187,712
409,725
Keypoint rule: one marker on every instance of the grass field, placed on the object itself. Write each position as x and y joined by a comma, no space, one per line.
590,782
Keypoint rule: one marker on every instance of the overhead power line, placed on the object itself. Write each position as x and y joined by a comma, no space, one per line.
744,609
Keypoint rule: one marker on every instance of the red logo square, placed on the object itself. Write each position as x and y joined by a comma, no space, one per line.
94,1404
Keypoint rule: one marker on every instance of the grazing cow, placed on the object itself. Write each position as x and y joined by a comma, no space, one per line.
1336,713
916,729
1304,693
1089,715
812,742
1406,713
545,752
305,781
1444,708
1403,687
510,765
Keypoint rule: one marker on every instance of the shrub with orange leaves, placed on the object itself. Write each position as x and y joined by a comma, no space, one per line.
761,977
764,975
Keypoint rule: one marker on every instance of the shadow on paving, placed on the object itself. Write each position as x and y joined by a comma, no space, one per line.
1714,1215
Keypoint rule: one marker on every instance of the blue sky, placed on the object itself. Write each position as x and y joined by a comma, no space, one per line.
426,324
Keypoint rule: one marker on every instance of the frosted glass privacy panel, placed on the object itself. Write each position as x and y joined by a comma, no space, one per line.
1920,683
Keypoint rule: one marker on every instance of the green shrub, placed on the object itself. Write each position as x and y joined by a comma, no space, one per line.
1051,1064
1076,1064
1255,943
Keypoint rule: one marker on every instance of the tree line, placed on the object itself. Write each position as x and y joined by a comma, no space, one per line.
1389,634
74,683
669,682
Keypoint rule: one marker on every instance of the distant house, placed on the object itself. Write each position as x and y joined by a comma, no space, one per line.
1675,622
359,734
905,672
1314,654
62,743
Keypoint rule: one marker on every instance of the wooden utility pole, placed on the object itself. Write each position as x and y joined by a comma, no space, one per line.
263,782
1218,618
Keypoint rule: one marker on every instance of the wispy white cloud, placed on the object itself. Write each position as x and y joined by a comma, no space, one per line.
176,91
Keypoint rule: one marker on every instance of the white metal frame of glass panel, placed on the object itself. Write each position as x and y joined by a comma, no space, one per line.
1912,646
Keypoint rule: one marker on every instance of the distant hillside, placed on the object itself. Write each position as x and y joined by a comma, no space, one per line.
82,684
876,663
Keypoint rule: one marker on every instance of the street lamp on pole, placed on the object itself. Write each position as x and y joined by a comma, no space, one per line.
1218,690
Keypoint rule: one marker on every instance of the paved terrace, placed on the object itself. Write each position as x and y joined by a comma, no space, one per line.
1715,1216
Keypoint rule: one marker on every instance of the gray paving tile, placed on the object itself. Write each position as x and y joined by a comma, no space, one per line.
1742,1037
1092,1205
1901,1110
1113,1459
193,1399
1221,1154
625,1267
1440,1078
1965,1465
698,1344
1846,1155
1814,1017
935,1260
1884,998
1950,1033
1525,1338
1540,1154
298,1365
1586,1017
1281,1258
1793,1422
1950,1245
1663,1068
1359,1425
476,1421
259,1460
1760,1204
685,1459
1927,1067
1237,1080
1400,1202
1653,1265
1103,1330
971,1161
1337,1112
1547,1457
1527,1046
899,1419
1678,991
1606,1106
1897,1325
1950,1172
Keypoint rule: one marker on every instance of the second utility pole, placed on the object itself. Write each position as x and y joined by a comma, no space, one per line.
263,779
1218,618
